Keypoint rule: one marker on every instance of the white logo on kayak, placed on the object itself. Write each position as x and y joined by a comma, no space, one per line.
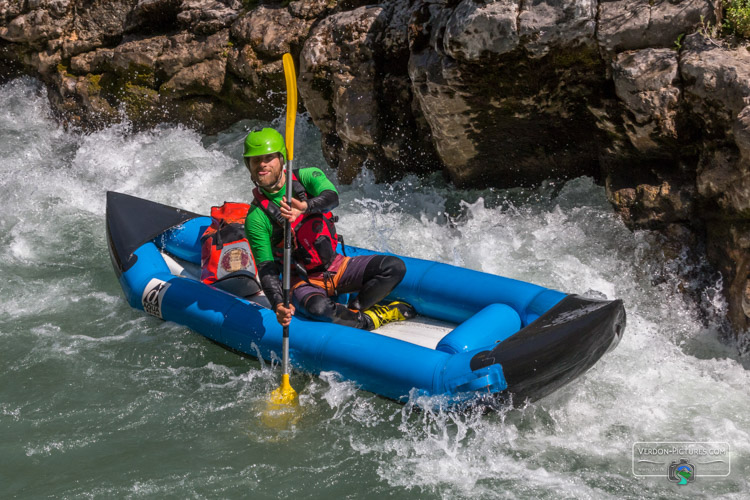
153,295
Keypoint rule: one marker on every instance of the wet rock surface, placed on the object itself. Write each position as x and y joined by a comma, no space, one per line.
634,93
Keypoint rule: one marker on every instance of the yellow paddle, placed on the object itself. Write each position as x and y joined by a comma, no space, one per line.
285,394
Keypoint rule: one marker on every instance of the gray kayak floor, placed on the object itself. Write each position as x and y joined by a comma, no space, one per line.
421,330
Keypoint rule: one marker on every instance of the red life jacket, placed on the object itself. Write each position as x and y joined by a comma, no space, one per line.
225,252
314,237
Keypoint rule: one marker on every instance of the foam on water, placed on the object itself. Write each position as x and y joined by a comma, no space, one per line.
114,403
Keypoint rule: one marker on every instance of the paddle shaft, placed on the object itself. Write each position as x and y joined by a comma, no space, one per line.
285,393
286,275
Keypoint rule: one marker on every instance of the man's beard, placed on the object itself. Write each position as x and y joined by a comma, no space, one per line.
270,184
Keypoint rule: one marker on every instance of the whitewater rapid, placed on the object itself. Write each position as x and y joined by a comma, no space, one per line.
99,400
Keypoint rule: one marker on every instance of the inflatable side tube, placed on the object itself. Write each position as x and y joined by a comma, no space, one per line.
184,241
455,294
494,323
132,221
557,348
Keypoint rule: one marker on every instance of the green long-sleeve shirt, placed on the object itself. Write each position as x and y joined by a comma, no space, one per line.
263,234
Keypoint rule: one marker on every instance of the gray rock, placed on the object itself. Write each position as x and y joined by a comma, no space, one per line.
741,131
648,82
474,31
395,35
716,173
91,62
203,78
715,75
208,16
745,301
436,79
10,9
44,61
477,31
136,60
34,27
244,63
446,110
13,8
546,24
185,50
337,60
482,97
354,82
271,32
311,9
96,26
729,250
639,24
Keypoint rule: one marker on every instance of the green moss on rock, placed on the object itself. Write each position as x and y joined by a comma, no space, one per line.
139,101
94,83
142,76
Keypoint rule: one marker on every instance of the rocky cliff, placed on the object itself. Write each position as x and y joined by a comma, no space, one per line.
638,93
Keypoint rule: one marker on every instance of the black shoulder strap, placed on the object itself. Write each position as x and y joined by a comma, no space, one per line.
271,209
298,190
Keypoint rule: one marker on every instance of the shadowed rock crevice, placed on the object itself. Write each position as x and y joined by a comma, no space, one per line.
154,17
519,101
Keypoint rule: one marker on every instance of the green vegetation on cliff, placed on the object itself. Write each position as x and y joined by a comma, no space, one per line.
737,18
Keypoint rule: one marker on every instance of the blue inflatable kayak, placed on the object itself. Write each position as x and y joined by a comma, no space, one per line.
498,337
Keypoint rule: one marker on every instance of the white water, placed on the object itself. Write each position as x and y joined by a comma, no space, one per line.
97,399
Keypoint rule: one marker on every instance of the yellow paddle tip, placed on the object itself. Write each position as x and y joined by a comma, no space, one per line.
291,102
283,394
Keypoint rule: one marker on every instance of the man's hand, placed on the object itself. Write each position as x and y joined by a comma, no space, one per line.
291,213
284,315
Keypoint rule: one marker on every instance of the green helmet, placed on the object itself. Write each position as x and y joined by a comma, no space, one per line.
263,142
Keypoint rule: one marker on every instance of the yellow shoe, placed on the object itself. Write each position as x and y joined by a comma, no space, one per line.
395,311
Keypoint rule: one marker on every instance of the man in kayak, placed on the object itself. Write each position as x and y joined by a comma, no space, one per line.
320,272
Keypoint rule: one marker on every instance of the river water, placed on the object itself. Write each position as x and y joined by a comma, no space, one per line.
98,400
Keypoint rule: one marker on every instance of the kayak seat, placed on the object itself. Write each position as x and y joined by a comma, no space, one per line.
241,284
491,325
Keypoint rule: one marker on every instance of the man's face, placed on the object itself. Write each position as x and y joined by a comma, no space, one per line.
266,171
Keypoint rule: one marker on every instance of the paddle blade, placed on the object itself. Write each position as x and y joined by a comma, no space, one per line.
283,394
291,103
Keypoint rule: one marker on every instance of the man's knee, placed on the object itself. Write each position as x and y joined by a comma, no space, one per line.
396,266
318,306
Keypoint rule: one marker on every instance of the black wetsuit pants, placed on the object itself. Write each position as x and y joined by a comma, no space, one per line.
373,277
